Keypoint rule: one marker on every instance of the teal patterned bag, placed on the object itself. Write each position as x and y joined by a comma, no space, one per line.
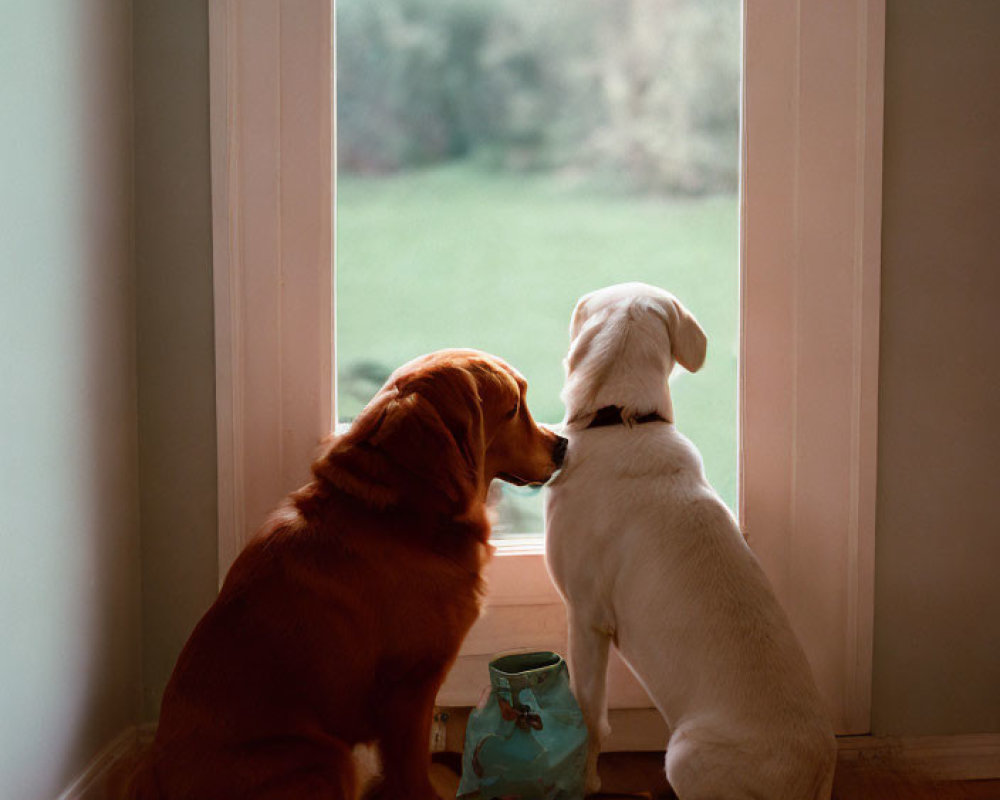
528,741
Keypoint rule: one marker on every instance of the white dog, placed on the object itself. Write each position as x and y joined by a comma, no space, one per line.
647,556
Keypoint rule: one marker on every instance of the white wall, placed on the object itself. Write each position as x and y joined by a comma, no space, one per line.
69,578
937,582
176,344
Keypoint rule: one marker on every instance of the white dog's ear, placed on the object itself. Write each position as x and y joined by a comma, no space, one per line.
582,340
592,353
688,341
579,316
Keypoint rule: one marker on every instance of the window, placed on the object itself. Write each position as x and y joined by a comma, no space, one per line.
496,160
810,206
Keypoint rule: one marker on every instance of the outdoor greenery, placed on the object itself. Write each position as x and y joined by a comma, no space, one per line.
456,256
499,158
643,93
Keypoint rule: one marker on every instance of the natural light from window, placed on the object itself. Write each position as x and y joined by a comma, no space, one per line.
496,160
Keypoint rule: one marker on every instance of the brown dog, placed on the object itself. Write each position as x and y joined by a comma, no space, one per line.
338,622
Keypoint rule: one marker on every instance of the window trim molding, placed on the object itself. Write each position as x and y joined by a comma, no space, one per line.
272,145
810,264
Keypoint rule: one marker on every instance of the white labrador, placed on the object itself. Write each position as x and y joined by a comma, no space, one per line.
648,557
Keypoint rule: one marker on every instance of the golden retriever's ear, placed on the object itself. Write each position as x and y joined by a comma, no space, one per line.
500,397
688,342
349,464
453,396
420,444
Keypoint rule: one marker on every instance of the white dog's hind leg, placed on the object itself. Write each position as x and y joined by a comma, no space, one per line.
588,666
704,771
702,765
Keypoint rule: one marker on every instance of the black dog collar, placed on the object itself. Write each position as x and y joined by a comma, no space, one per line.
612,415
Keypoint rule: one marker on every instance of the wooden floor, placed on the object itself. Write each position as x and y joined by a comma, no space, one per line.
858,783
639,776
635,776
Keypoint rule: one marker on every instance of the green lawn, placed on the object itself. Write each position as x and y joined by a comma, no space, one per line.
457,256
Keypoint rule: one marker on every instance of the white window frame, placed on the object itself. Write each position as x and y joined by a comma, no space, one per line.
810,263
272,128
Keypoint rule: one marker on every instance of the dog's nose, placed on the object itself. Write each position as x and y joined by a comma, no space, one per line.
559,450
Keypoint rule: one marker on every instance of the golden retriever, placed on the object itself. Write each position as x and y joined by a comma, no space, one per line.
337,623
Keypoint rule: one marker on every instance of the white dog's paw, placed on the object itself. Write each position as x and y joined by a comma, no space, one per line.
593,783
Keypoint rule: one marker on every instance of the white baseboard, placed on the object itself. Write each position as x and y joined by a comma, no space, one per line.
89,785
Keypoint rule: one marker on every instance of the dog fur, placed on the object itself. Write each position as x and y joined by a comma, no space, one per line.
338,622
649,558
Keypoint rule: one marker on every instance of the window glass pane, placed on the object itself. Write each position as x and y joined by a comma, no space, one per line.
498,159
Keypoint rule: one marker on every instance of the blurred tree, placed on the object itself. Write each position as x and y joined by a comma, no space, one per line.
670,89
640,93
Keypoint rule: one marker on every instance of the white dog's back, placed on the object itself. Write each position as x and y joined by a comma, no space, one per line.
702,632
647,556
